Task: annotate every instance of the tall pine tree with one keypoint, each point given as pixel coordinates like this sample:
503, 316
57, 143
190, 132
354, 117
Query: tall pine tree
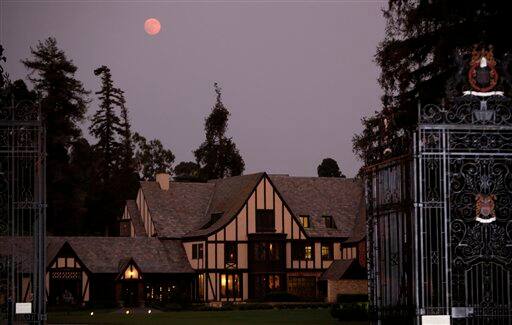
63, 102
106, 124
128, 178
218, 156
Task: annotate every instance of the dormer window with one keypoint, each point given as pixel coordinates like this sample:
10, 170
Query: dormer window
329, 222
304, 220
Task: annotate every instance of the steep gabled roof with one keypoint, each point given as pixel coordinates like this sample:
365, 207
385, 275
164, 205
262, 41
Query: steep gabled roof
107, 254
230, 194
104, 254
180, 209
341, 198
185, 210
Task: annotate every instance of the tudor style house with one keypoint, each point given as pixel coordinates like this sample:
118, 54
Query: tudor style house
249, 235
226, 240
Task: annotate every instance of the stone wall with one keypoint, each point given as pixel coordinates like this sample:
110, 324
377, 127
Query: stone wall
335, 287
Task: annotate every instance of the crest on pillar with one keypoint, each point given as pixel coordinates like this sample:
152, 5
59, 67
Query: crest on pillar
482, 74
485, 212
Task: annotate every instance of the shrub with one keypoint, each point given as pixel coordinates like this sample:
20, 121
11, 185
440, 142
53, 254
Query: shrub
253, 306
350, 311
281, 296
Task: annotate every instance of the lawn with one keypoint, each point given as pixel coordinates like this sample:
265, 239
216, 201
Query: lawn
275, 316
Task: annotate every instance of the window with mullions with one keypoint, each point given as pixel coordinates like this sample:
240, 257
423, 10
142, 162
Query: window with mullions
304, 220
267, 251
265, 221
230, 286
302, 251
230, 254
197, 251
302, 286
327, 251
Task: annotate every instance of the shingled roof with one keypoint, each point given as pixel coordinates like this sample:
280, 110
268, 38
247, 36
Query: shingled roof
179, 210
341, 198
186, 208
229, 196
105, 254
344, 269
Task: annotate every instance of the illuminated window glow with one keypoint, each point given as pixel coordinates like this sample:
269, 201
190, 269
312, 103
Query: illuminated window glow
131, 273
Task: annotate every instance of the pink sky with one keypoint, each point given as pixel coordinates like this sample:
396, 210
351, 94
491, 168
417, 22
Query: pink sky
296, 76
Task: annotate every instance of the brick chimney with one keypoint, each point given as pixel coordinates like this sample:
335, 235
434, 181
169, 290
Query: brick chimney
163, 180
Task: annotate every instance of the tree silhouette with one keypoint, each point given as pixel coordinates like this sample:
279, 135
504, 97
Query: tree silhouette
151, 157
63, 101
418, 57
186, 171
329, 168
218, 156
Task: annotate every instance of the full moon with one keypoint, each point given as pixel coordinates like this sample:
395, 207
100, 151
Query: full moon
152, 26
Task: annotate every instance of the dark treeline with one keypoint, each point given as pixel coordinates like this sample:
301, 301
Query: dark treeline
88, 183
419, 56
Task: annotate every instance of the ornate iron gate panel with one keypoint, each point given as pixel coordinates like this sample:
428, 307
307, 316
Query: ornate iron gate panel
463, 209
22, 212
389, 238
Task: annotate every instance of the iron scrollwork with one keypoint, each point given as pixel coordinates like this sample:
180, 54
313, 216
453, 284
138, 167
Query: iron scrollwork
470, 110
479, 247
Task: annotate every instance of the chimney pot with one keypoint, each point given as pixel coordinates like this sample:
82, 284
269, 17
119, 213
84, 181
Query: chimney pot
163, 180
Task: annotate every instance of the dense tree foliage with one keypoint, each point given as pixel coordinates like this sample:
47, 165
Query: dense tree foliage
186, 171
87, 185
218, 156
329, 168
151, 157
63, 101
419, 55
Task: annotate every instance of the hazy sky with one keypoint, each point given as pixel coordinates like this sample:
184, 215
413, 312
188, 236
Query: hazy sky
297, 76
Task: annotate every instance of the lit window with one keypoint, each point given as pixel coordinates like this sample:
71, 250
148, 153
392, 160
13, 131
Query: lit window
197, 251
302, 251
230, 286
308, 252
327, 251
131, 273
230, 254
305, 221
200, 287
273, 282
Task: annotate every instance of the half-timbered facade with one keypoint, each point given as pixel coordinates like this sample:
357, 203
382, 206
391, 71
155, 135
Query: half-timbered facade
226, 240
250, 235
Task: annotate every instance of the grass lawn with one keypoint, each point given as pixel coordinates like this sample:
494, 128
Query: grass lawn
275, 316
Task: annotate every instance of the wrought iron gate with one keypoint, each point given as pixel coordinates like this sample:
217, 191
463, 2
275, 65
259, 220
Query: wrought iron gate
22, 213
463, 209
